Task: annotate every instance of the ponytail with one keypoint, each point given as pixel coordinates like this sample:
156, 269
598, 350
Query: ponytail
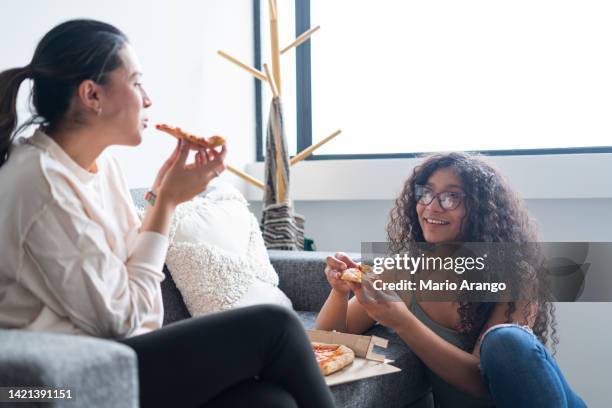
68, 54
10, 81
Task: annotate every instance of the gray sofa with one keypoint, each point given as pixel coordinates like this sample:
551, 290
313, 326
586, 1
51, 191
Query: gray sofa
103, 373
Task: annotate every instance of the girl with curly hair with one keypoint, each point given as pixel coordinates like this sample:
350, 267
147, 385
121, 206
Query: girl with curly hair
476, 353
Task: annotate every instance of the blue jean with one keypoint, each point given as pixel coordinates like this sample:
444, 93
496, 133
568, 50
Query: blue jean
520, 372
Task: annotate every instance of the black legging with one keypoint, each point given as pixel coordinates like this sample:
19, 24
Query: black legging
254, 356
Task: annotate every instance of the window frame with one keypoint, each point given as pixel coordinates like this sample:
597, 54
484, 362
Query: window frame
304, 104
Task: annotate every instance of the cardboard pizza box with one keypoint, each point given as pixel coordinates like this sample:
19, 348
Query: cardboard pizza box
367, 363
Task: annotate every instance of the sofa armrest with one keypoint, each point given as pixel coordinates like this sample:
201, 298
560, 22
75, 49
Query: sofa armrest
100, 373
302, 277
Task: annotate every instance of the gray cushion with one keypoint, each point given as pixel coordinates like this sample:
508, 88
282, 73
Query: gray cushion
138, 197
101, 373
302, 277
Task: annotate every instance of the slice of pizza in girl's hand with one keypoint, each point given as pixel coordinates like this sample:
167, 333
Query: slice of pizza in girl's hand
211, 142
356, 274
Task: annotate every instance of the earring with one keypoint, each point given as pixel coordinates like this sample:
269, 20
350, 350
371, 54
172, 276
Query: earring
99, 111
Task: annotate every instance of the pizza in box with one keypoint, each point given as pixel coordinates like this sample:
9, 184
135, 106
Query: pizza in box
332, 357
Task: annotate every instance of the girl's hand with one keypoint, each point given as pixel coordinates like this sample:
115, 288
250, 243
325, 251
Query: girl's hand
181, 182
335, 265
388, 310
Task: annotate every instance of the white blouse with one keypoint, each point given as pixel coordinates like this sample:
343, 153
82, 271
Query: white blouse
72, 257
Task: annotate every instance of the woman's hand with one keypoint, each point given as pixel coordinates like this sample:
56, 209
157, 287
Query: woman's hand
178, 182
333, 271
390, 313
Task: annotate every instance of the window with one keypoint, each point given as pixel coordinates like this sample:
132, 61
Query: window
522, 77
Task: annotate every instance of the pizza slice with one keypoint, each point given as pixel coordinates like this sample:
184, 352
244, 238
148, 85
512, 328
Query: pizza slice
352, 275
332, 357
211, 142
355, 274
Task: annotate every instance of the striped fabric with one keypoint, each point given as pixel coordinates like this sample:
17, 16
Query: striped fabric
275, 134
281, 227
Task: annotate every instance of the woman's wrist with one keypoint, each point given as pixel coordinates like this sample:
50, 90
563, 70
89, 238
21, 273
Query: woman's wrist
340, 295
164, 201
333, 313
158, 215
406, 325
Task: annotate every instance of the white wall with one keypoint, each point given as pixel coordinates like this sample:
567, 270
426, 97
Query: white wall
343, 225
534, 176
177, 43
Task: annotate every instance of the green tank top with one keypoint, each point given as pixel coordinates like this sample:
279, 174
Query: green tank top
445, 395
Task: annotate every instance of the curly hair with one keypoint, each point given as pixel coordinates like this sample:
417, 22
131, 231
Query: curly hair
494, 213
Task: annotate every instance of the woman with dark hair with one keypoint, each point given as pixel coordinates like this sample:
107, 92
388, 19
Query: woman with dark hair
77, 259
476, 353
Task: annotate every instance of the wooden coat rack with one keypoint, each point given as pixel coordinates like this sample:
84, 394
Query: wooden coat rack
273, 78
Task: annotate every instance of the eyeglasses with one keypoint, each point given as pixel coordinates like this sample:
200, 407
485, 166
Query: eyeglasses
448, 200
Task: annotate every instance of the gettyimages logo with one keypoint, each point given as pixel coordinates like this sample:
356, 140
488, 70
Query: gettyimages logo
412, 264
491, 272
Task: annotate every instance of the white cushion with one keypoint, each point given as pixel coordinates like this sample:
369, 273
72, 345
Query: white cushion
217, 256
